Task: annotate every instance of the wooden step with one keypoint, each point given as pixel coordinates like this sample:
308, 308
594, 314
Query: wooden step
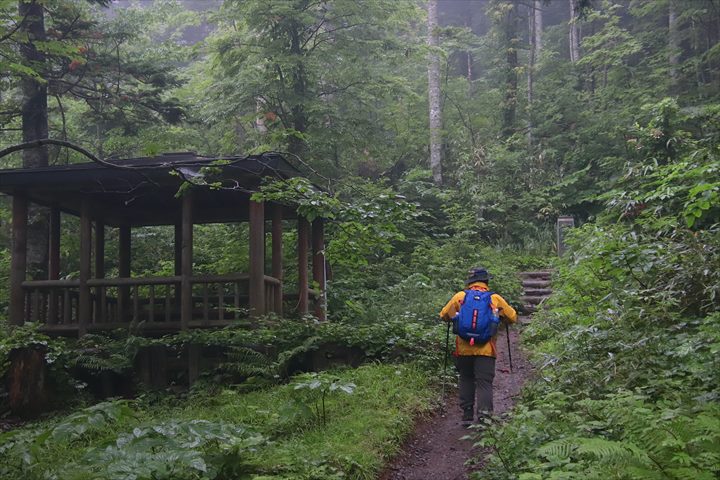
538, 274
528, 309
533, 300
538, 292
536, 283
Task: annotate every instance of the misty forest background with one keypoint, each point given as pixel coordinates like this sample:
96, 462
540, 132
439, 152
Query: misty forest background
447, 133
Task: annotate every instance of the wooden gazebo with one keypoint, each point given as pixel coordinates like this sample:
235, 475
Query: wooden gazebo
143, 192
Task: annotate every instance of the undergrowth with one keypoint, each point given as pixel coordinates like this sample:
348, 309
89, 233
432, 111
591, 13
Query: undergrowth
628, 348
221, 433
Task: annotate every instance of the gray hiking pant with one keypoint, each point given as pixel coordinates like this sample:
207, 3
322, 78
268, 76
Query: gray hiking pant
476, 374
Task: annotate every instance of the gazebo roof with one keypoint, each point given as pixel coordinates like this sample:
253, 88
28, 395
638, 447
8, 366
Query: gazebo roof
143, 191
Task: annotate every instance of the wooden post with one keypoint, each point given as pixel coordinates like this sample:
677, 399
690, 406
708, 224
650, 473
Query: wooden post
53, 263
178, 249
124, 250
84, 306
257, 259
99, 268
99, 249
186, 266
54, 245
18, 263
318, 247
277, 254
303, 237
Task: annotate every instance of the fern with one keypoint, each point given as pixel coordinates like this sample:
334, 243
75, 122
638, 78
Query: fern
246, 362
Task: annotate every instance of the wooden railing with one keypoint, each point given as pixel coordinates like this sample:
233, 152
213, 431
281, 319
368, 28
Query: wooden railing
151, 302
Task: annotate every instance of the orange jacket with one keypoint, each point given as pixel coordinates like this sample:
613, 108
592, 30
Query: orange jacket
463, 347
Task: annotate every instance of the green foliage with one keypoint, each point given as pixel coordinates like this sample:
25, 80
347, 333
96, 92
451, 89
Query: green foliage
173, 449
368, 218
223, 433
23, 451
316, 387
26, 336
628, 347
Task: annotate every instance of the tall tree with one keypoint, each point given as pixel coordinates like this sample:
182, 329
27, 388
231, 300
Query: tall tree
34, 113
510, 36
318, 71
673, 44
535, 21
574, 34
435, 108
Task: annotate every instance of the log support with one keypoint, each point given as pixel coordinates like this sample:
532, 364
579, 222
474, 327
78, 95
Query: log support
186, 302
257, 259
277, 257
303, 238
318, 247
18, 263
124, 249
84, 306
99, 268
53, 263
178, 249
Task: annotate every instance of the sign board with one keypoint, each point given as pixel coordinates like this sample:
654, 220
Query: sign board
563, 223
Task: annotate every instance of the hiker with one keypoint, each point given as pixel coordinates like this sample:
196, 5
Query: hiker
475, 360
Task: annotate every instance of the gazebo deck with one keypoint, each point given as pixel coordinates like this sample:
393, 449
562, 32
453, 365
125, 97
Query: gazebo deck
145, 304
142, 192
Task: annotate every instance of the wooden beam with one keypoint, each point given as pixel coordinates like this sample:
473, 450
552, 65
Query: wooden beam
318, 247
186, 267
277, 257
84, 306
303, 238
124, 269
257, 259
18, 263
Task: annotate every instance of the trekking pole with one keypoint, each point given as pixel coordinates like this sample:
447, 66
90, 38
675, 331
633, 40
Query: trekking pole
507, 334
444, 378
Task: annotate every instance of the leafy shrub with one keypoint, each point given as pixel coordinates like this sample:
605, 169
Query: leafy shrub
171, 450
317, 387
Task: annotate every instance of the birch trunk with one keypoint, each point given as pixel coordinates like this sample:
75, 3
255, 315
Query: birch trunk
673, 45
434, 93
574, 32
510, 28
535, 19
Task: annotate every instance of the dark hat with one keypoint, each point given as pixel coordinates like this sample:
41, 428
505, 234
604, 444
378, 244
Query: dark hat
478, 274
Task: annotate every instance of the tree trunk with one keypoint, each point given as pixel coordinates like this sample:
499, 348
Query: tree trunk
538, 27
296, 144
35, 127
27, 392
673, 45
574, 31
434, 94
510, 31
535, 26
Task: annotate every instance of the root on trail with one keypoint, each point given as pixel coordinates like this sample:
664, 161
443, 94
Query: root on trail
435, 450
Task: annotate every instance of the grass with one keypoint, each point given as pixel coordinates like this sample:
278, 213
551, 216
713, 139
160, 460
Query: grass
363, 429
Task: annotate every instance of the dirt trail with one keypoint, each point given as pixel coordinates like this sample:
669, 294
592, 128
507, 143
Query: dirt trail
435, 451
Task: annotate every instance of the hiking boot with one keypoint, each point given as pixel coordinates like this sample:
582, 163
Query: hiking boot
468, 416
484, 421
